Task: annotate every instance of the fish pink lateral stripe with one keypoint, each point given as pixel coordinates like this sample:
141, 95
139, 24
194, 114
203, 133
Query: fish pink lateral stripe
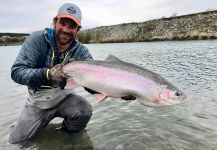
109, 73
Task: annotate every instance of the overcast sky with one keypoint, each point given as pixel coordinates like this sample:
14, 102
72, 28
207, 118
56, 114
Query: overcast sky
30, 15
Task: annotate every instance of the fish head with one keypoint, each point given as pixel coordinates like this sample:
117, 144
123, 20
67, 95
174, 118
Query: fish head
163, 96
169, 96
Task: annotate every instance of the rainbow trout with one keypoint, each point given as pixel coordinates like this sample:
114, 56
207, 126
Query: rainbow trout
115, 78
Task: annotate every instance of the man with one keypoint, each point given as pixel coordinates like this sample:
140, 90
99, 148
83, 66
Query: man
39, 66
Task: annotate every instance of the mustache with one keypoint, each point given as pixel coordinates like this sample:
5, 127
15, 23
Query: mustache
65, 33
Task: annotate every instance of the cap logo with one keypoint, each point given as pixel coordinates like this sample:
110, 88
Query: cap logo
71, 10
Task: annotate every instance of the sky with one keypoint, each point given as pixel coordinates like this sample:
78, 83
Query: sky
26, 16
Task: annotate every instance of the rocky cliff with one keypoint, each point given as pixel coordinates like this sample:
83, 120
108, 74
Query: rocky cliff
188, 27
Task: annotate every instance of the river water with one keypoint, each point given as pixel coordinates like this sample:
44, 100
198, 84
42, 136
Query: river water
121, 125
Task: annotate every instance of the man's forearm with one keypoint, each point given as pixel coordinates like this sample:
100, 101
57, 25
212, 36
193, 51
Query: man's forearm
28, 76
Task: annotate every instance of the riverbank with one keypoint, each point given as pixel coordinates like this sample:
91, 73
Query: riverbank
188, 27
7, 39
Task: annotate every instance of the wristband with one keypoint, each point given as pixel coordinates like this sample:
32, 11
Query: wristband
47, 74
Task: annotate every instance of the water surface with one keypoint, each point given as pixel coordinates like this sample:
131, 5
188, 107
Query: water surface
117, 124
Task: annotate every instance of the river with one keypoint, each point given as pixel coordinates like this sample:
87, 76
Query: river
123, 125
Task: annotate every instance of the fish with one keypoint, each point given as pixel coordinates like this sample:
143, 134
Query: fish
116, 78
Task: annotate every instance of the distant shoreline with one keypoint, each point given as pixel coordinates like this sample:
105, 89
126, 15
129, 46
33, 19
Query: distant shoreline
199, 26
12, 44
9, 39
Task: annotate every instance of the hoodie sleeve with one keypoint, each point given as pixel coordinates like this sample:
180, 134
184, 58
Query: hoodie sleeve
26, 70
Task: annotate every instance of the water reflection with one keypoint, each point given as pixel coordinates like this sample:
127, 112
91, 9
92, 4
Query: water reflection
53, 138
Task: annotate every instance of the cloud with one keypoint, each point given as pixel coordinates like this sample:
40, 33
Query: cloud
27, 16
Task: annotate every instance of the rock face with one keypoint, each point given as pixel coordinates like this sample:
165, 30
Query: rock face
188, 27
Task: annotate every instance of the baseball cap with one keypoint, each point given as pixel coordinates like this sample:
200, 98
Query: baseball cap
70, 11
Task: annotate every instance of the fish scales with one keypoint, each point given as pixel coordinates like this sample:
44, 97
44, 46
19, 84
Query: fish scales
116, 78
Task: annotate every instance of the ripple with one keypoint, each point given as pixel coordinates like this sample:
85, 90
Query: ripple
117, 124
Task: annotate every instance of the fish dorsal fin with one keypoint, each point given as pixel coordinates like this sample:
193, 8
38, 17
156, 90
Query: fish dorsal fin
112, 58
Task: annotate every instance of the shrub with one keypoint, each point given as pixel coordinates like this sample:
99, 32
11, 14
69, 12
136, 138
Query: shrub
84, 37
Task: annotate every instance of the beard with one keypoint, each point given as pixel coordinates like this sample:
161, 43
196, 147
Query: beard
64, 38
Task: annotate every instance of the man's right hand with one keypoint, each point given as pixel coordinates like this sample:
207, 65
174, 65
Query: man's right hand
56, 76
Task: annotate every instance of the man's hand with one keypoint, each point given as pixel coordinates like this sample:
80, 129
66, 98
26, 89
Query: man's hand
128, 98
56, 76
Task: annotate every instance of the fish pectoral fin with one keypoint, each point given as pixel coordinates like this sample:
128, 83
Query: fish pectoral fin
71, 84
99, 97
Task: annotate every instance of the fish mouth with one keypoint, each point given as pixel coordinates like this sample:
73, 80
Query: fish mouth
168, 102
180, 95
174, 101
183, 97
163, 103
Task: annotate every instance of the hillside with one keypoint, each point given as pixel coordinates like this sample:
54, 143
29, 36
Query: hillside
188, 27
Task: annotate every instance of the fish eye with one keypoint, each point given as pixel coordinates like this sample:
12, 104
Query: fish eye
178, 94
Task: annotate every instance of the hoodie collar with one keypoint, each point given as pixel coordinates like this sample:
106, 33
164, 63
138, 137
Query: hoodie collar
51, 36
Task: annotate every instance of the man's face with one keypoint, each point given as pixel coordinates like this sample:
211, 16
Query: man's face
66, 30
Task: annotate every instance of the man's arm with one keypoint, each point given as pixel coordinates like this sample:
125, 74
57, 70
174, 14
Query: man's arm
25, 69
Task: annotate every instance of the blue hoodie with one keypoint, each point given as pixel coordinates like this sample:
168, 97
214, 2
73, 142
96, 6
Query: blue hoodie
36, 57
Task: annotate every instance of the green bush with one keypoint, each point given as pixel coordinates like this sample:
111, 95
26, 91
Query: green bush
84, 37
